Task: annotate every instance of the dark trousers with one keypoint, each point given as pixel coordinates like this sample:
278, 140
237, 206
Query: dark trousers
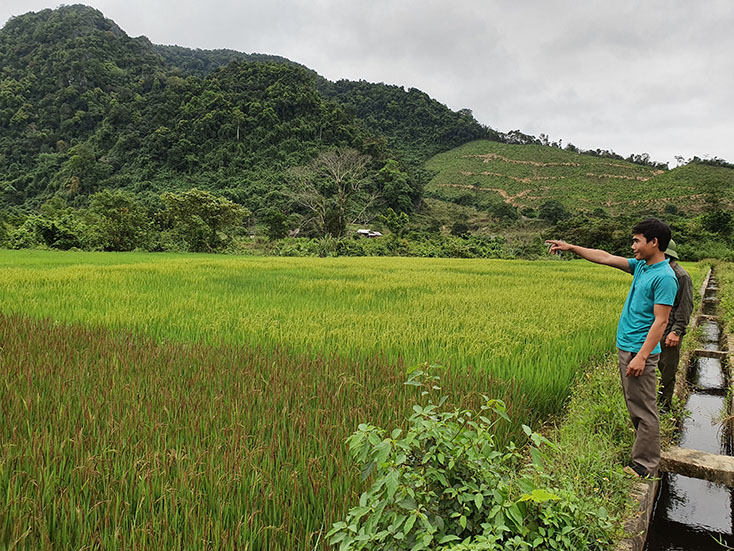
668, 366
640, 395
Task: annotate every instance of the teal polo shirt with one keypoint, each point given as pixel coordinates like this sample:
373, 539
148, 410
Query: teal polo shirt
651, 285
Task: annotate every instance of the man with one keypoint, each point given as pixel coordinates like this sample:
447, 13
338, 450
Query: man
641, 326
680, 315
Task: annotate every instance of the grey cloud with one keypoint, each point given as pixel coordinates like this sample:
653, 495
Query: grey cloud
631, 76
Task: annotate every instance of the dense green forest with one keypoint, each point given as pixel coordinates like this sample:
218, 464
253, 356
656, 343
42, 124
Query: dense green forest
201, 63
83, 107
111, 142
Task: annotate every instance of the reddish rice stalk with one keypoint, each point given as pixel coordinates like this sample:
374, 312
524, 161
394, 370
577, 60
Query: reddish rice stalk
113, 441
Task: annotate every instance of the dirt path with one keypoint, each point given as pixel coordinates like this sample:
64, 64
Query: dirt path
495, 157
510, 199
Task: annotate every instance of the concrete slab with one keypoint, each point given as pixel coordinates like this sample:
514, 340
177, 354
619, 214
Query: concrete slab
703, 353
636, 528
698, 464
703, 317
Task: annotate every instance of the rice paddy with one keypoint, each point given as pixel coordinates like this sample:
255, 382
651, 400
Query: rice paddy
202, 402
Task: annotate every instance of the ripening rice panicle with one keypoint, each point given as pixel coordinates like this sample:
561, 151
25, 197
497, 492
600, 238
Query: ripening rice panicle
171, 401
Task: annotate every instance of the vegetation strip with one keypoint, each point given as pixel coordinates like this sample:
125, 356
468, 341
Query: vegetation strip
725, 274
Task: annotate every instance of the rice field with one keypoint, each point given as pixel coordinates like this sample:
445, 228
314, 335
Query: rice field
202, 402
536, 322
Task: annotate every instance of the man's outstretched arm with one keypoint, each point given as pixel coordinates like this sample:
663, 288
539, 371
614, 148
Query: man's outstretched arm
592, 255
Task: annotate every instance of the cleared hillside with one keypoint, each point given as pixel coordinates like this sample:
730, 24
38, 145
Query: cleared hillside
528, 175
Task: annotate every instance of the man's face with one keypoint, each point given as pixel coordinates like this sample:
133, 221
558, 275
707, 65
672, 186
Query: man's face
642, 248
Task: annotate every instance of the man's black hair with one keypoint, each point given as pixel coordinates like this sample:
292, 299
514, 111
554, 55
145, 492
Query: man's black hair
653, 228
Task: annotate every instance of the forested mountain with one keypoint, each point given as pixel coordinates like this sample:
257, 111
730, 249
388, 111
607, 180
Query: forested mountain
84, 107
110, 142
418, 126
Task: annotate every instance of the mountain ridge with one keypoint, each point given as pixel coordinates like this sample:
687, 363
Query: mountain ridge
86, 107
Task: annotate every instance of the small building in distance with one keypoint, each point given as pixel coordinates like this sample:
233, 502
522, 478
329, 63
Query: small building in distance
368, 233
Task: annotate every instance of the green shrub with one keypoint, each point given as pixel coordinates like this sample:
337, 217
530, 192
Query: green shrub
118, 222
445, 483
709, 248
65, 231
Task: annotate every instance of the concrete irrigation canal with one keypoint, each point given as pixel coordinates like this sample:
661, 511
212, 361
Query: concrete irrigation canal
690, 508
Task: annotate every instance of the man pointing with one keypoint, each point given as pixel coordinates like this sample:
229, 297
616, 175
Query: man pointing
641, 326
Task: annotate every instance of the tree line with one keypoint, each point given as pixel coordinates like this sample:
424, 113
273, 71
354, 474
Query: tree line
100, 131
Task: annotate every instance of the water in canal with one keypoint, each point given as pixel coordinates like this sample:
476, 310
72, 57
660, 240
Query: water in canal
692, 514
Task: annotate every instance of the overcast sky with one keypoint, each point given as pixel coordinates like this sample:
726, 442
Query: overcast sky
631, 76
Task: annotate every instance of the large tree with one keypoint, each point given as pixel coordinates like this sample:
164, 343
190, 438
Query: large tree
333, 190
203, 221
119, 221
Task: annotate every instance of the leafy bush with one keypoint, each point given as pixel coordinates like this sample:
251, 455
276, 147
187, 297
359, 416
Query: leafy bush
64, 232
609, 234
709, 248
205, 222
718, 221
292, 246
553, 211
119, 221
276, 223
446, 484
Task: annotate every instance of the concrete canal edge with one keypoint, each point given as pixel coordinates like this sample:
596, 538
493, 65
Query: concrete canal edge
645, 492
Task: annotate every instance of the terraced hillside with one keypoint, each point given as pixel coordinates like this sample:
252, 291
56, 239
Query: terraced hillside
528, 175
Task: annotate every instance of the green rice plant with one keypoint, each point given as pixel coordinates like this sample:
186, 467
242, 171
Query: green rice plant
534, 322
181, 401
530, 322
